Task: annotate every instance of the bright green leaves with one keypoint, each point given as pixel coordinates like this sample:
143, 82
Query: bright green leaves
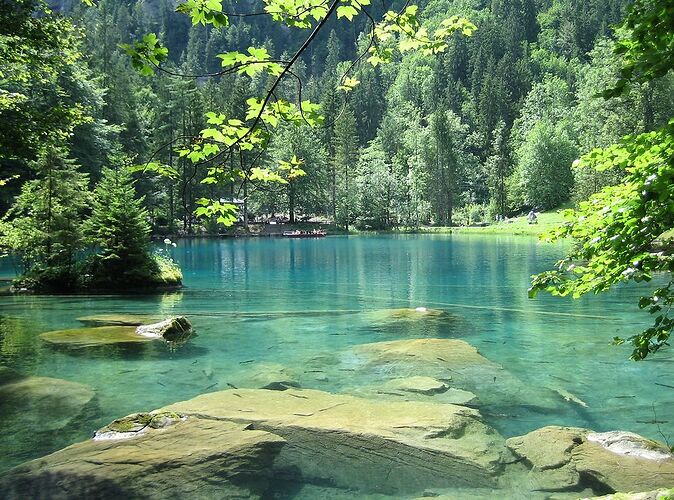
286, 171
284, 111
296, 13
410, 35
292, 169
224, 213
623, 233
258, 60
147, 54
204, 12
648, 50
346, 11
157, 168
351, 8
347, 84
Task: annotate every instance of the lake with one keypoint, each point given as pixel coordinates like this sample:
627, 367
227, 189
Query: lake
259, 303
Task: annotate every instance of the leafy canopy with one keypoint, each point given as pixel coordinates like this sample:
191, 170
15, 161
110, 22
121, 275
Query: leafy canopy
625, 232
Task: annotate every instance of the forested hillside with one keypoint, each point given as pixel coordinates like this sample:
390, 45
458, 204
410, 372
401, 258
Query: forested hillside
491, 126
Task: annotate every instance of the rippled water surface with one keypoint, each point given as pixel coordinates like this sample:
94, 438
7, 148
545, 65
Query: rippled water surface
259, 303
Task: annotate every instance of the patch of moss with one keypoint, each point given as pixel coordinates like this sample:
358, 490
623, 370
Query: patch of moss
168, 272
130, 423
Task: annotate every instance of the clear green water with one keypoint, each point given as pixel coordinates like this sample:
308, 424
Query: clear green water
301, 303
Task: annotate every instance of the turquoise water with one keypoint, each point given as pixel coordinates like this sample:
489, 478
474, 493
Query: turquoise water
258, 303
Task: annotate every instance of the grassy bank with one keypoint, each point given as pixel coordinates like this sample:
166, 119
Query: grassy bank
518, 226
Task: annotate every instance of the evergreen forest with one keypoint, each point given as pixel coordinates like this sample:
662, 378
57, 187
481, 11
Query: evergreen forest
488, 127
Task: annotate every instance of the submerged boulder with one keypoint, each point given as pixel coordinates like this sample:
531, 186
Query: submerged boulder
40, 414
186, 458
421, 385
566, 458
375, 446
171, 330
445, 360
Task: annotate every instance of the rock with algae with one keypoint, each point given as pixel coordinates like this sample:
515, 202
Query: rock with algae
172, 330
137, 423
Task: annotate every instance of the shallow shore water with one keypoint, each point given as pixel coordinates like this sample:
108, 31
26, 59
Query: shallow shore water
260, 306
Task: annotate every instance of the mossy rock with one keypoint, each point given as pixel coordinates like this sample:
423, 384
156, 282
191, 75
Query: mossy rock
92, 337
138, 422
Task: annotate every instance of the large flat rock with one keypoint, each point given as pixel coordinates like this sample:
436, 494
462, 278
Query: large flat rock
172, 329
194, 458
95, 336
374, 446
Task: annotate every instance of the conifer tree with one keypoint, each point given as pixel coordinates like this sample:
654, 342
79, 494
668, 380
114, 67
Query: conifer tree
43, 227
120, 231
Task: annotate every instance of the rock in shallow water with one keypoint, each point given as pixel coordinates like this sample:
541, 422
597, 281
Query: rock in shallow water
195, 458
172, 330
40, 413
374, 446
227, 437
91, 337
421, 385
566, 457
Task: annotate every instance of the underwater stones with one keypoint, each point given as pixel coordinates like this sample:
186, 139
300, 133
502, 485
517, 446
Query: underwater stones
565, 458
50, 403
445, 359
375, 446
422, 385
193, 458
272, 376
40, 414
430, 352
170, 329
118, 319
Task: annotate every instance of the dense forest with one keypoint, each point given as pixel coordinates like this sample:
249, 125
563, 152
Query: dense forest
489, 127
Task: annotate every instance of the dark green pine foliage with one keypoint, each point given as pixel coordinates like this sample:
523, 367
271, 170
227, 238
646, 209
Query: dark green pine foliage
120, 232
43, 228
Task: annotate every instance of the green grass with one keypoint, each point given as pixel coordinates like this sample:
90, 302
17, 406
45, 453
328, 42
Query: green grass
518, 226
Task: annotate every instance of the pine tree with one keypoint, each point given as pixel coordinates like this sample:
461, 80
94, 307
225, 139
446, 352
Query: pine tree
120, 231
43, 228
